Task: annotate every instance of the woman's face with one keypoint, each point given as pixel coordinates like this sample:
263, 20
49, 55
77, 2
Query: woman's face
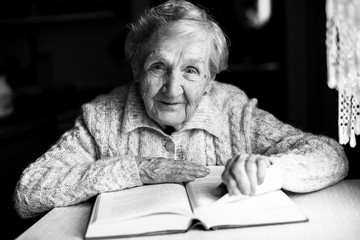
174, 78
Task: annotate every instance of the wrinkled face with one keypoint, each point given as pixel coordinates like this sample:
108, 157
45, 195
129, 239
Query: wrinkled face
174, 77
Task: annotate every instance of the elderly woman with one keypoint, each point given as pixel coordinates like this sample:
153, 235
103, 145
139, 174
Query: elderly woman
172, 121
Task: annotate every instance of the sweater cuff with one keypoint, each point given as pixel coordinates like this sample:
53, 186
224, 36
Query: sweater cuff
128, 173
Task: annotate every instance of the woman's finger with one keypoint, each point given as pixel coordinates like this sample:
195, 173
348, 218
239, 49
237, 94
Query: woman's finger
238, 173
187, 170
262, 164
228, 179
226, 174
232, 187
194, 169
192, 166
251, 171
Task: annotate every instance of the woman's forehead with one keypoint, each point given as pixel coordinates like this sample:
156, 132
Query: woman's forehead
189, 44
179, 49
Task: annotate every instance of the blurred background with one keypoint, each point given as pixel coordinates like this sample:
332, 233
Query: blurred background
56, 55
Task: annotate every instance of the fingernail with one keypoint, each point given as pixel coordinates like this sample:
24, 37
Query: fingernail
205, 170
246, 192
231, 192
252, 193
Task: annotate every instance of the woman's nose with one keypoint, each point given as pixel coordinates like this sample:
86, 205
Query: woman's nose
173, 85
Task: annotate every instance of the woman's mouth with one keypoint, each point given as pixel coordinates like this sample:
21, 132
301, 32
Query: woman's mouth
170, 106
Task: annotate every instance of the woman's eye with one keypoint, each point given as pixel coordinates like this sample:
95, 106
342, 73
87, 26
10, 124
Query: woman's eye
157, 67
191, 70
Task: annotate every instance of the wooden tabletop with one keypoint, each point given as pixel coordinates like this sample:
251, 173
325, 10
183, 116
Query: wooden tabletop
334, 213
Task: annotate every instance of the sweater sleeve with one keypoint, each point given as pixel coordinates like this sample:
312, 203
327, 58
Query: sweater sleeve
69, 173
309, 162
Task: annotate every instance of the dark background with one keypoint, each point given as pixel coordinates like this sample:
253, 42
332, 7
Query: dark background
59, 54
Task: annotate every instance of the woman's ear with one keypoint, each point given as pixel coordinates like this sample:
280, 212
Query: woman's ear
209, 85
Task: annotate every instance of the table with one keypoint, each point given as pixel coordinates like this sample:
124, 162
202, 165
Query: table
334, 213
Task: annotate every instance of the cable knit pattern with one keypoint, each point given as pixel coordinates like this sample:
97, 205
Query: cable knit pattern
246, 121
309, 162
209, 141
98, 154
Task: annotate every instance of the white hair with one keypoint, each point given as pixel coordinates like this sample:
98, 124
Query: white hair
164, 16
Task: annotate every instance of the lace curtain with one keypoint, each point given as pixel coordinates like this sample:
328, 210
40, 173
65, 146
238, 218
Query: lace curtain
343, 64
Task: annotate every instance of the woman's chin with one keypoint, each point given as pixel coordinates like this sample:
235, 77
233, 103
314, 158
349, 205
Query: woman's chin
169, 122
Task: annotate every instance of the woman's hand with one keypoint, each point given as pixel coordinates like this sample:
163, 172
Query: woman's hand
244, 173
161, 170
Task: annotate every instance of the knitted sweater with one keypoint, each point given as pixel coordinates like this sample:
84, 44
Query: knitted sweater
98, 154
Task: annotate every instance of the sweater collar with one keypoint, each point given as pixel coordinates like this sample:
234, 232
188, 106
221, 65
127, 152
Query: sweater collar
207, 116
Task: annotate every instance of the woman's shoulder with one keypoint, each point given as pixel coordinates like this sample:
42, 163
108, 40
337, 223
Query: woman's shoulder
228, 95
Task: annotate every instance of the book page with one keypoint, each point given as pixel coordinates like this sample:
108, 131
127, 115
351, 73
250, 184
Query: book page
143, 226
216, 209
205, 191
142, 201
269, 208
209, 190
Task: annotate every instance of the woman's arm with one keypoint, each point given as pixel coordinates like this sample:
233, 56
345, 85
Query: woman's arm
69, 173
309, 162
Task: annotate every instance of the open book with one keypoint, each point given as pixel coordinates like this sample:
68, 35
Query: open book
172, 207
